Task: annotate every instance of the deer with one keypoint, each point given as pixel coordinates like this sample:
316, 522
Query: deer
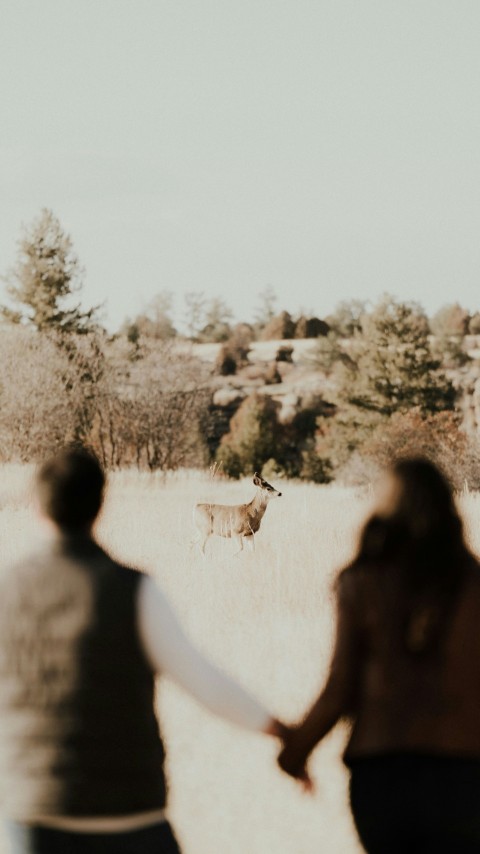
236, 521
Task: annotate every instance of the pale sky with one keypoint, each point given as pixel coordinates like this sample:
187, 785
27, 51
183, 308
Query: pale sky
328, 148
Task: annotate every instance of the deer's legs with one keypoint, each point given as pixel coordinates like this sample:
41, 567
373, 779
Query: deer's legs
240, 543
195, 541
250, 538
202, 542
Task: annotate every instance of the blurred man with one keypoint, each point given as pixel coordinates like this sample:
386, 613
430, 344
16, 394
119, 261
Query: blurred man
81, 641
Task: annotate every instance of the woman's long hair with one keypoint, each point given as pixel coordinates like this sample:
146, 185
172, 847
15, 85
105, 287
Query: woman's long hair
423, 538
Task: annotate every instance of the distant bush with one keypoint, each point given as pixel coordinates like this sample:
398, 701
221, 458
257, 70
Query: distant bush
234, 352
252, 439
278, 328
327, 351
151, 416
260, 437
225, 363
437, 437
310, 327
154, 322
347, 317
450, 320
38, 393
450, 351
474, 324
145, 413
388, 368
449, 326
284, 354
314, 467
271, 470
272, 374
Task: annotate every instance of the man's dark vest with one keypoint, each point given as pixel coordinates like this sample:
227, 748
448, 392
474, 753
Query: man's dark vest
78, 731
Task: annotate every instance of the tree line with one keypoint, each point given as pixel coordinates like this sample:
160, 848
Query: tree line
391, 379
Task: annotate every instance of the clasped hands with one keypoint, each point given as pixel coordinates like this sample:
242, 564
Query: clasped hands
290, 759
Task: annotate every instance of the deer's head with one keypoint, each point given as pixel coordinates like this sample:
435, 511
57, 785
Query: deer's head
268, 490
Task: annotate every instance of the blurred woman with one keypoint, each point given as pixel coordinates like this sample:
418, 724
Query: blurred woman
82, 638
406, 672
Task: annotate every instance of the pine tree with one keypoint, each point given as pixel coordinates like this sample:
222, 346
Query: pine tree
45, 280
387, 368
391, 366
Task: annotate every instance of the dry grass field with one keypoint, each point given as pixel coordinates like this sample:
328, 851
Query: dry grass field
265, 617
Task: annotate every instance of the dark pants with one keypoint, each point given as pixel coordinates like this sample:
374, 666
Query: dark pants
26, 839
408, 804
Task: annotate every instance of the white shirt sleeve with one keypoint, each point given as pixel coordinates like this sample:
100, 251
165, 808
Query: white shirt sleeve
170, 652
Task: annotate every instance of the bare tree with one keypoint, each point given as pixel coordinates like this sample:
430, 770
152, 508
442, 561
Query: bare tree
168, 397
148, 413
195, 305
36, 415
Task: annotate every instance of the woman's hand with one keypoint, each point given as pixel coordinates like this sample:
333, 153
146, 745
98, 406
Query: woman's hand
277, 729
293, 764
301, 776
306, 782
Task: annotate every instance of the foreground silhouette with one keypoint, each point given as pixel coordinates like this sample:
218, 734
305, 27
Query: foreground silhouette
406, 672
81, 641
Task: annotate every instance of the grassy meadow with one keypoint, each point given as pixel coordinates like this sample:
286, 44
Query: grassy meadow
265, 616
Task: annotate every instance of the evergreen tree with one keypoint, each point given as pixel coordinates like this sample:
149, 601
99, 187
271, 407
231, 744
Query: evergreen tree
391, 366
253, 438
388, 368
45, 280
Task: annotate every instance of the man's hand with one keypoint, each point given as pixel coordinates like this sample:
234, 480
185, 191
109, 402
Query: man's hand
277, 729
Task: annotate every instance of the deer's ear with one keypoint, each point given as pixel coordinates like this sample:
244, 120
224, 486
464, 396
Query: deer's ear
256, 479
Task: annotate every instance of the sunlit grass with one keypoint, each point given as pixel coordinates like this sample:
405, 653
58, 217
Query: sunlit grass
265, 616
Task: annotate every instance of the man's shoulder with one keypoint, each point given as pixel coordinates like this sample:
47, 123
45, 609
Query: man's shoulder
36, 556
123, 572
47, 555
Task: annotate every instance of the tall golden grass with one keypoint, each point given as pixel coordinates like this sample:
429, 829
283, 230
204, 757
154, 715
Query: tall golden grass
266, 617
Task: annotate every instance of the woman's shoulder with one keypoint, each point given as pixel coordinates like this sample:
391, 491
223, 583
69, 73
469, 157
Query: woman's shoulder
472, 570
351, 581
359, 586
356, 574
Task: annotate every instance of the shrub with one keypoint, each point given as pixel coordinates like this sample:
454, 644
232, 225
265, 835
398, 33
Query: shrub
437, 437
252, 439
388, 368
310, 327
280, 327
152, 415
314, 467
272, 375
284, 354
450, 320
347, 317
37, 396
271, 470
234, 352
450, 351
225, 363
474, 324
